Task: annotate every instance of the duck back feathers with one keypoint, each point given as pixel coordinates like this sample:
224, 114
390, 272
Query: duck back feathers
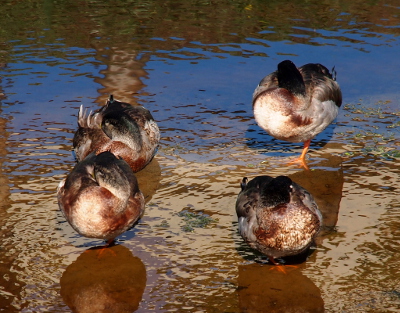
296, 104
290, 78
127, 131
277, 216
321, 83
100, 198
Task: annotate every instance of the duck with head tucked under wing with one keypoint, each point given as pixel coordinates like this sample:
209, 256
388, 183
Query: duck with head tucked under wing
100, 198
125, 130
276, 216
296, 104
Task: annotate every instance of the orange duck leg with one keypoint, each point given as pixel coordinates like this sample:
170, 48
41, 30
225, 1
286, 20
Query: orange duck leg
302, 158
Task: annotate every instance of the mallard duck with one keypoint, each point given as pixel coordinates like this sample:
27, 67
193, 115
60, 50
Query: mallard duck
100, 198
276, 216
127, 131
296, 104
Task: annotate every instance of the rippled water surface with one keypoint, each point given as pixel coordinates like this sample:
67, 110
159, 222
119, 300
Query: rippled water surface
195, 64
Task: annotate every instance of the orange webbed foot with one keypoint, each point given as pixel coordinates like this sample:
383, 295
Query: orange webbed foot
301, 161
280, 267
302, 158
102, 251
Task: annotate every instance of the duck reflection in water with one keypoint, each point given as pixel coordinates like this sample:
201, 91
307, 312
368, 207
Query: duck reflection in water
296, 104
113, 283
262, 290
325, 182
100, 198
277, 217
125, 130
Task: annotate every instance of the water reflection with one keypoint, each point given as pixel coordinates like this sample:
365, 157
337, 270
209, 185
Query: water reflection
149, 179
109, 280
325, 182
261, 289
124, 72
9, 282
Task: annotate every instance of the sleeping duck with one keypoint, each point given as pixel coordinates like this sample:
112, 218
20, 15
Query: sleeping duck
100, 198
276, 216
127, 131
296, 104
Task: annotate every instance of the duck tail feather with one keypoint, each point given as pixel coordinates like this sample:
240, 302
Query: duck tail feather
81, 117
334, 73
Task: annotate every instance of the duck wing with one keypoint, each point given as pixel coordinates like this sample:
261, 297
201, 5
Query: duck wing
303, 197
268, 82
320, 84
249, 198
247, 202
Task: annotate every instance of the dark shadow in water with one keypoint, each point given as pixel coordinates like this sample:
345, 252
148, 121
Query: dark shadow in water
259, 139
261, 289
104, 280
149, 179
325, 183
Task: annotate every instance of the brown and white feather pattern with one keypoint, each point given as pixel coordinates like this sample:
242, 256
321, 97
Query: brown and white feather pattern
100, 198
295, 117
127, 131
277, 230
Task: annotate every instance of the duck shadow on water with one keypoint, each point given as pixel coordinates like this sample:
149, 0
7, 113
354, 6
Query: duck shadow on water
325, 183
109, 280
262, 290
149, 179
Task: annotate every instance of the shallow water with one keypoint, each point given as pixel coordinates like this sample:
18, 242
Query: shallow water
195, 65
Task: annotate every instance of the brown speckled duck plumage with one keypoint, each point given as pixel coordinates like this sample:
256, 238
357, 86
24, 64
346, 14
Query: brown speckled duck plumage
125, 130
276, 216
296, 104
100, 198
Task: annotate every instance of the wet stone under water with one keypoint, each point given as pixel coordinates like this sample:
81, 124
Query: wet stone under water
195, 65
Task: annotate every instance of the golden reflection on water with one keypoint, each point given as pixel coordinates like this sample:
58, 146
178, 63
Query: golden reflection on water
10, 286
326, 184
262, 289
108, 280
203, 269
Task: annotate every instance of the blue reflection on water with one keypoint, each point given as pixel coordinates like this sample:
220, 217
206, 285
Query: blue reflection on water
200, 94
